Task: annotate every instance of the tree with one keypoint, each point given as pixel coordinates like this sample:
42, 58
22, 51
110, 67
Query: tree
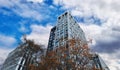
74, 57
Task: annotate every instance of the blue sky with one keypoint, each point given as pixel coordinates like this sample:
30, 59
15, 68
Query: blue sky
100, 20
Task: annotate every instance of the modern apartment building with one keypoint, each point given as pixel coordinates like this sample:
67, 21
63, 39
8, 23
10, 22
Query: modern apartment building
67, 29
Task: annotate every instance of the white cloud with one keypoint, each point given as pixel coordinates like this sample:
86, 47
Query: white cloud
112, 62
101, 8
102, 32
40, 34
91, 31
36, 1
6, 3
23, 26
3, 54
21, 9
23, 29
25, 11
6, 41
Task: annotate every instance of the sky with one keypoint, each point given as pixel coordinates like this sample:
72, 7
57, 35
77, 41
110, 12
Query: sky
99, 19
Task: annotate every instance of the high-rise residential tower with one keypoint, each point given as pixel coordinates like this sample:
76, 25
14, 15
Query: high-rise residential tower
67, 29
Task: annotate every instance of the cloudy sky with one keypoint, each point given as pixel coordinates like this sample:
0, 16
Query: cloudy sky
100, 20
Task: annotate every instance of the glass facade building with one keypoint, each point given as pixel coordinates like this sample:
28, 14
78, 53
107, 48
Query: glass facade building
99, 63
65, 29
21, 57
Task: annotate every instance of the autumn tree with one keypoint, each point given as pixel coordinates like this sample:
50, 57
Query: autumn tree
73, 56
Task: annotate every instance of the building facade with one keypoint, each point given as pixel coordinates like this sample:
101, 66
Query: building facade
67, 29
99, 63
21, 57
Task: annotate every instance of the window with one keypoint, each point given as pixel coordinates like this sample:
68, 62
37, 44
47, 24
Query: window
59, 17
66, 13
